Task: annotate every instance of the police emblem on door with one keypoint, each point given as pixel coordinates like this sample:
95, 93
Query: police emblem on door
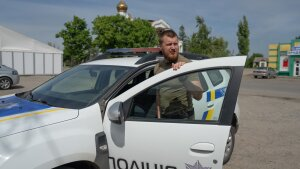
197, 165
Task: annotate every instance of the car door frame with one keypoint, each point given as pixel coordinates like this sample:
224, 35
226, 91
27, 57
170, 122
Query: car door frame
228, 104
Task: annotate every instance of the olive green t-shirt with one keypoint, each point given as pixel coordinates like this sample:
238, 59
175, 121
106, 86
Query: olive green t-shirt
173, 96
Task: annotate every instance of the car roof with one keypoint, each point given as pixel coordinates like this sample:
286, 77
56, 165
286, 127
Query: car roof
123, 57
126, 61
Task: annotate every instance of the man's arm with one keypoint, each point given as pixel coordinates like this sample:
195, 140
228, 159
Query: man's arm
157, 105
195, 88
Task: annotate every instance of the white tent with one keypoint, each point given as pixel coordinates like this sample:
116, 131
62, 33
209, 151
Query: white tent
28, 56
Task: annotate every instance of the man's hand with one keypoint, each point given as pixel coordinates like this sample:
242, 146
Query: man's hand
177, 65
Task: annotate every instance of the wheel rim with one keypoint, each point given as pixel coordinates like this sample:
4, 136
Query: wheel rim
4, 84
228, 145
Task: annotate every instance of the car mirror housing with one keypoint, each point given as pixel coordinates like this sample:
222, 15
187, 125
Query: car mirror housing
115, 113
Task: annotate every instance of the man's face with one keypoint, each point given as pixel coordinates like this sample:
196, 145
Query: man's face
170, 48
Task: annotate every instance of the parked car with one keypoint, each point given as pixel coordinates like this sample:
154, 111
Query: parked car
102, 114
8, 77
265, 72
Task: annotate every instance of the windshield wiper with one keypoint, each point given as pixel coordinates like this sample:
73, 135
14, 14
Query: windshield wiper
30, 97
42, 101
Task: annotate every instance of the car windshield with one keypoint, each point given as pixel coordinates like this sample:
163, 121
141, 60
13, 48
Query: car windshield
78, 87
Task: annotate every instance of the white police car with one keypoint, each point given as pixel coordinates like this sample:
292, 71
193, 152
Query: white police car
101, 114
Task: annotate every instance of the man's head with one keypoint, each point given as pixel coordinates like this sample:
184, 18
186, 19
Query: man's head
168, 41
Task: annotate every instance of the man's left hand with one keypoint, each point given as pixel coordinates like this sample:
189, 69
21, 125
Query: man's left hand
177, 65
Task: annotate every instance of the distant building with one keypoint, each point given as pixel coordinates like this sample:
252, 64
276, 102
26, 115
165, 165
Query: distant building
260, 62
28, 56
285, 57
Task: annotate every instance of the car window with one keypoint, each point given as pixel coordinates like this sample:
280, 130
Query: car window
203, 82
215, 77
78, 87
176, 100
140, 77
80, 81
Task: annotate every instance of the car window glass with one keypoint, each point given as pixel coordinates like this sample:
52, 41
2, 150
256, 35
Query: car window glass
215, 77
78, 87
141, 76
177, 100
80, 81
203, 82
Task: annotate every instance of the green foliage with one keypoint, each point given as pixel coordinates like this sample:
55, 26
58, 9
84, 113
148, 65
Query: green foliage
77, 41
202, 43
249, 62
297, 37
243, 37
120, 32
53, 45
219, 47
183, 37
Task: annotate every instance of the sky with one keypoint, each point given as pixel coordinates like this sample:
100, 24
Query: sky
270, 21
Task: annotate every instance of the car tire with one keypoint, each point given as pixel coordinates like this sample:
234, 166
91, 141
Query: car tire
5, 83
229, 145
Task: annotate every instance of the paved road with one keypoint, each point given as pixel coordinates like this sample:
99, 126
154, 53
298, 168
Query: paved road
269, 136
26, 83
281, 87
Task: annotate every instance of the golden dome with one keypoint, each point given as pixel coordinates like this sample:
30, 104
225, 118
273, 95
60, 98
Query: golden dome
122, 6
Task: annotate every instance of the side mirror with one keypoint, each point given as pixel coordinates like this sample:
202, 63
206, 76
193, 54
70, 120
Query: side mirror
115, 113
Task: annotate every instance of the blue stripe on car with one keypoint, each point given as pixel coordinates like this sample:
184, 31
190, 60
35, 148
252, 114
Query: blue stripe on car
204, 115
14, 105
218, 93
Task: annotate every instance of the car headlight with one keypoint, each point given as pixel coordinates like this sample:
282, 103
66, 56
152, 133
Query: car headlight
14, 72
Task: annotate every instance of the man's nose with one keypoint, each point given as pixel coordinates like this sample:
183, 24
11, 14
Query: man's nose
173, 46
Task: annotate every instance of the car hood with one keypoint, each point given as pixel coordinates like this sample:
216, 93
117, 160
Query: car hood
18, 115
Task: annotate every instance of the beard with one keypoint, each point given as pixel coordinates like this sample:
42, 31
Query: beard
171, 57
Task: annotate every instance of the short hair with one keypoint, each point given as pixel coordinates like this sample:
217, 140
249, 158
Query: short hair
166, 32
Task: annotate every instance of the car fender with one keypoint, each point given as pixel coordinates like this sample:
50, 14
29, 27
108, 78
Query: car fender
53, 145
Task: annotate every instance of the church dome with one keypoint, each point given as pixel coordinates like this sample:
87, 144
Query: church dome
122, 6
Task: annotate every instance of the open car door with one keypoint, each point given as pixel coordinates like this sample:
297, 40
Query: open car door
137, 139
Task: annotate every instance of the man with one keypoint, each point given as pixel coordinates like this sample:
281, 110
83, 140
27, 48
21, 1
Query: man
174, 99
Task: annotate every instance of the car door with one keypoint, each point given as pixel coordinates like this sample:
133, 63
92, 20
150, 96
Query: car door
138, 139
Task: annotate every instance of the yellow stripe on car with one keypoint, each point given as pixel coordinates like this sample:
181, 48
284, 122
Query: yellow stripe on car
210, 114
212, 95
31, 114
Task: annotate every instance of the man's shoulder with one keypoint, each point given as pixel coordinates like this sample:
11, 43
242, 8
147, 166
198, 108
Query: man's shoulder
181, 58
159, 67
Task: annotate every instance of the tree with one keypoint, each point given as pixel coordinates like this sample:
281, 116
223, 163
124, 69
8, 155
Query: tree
243, 37
52, 44
77, 41
219, 47
202, 43
249, 61
183, 37
120, 32
297, 37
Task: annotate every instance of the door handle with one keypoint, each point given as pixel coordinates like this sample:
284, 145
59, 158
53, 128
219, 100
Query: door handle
210, 105
203, 148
